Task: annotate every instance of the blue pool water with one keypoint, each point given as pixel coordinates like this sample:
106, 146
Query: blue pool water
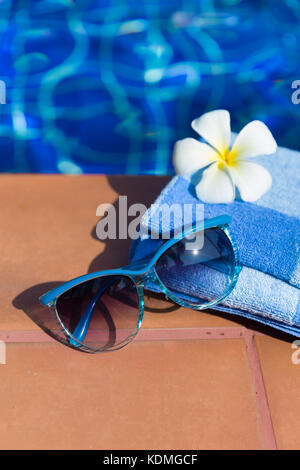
110, 85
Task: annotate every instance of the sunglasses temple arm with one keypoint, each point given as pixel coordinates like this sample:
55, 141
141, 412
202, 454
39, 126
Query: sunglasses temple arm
84, 322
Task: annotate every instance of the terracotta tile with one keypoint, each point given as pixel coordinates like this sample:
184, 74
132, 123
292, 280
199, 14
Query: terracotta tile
173, 395
48, 236
282, 382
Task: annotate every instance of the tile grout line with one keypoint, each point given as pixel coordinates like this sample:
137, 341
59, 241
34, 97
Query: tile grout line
260, 391
168, 334
145, 334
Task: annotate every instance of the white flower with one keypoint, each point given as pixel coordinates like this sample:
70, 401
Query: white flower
227, 166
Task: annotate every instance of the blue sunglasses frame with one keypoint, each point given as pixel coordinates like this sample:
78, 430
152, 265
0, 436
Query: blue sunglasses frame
140, 273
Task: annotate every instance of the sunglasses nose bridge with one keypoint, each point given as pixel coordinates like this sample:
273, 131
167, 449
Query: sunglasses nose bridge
149, 276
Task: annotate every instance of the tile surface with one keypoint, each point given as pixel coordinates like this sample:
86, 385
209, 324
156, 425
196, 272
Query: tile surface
282, 382
192, 379
48, 236
173, 395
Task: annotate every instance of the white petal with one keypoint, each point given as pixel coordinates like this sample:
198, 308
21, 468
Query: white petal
214, 127
252, 179
253, 140
215, 186
189, 155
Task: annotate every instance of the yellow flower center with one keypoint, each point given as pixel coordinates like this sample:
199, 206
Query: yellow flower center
227, 157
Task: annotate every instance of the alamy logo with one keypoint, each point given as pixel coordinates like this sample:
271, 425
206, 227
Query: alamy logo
295, 358
161, 221
296, 93
2, 352
2, 92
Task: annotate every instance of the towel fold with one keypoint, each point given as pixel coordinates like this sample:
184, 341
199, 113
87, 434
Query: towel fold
267, 237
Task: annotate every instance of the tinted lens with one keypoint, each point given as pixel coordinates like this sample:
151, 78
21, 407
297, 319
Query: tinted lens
100, 313
198, 271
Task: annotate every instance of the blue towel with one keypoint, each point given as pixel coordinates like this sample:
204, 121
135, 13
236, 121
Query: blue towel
267, 236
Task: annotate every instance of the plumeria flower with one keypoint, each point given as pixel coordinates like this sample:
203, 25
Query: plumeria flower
227, 166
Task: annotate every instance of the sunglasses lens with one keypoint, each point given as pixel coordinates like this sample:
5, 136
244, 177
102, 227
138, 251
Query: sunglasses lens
102, 313
198, 270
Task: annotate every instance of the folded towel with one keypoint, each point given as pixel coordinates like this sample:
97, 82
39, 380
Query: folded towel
266, 234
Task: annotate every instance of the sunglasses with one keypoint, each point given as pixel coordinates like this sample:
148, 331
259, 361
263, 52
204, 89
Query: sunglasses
103, 311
